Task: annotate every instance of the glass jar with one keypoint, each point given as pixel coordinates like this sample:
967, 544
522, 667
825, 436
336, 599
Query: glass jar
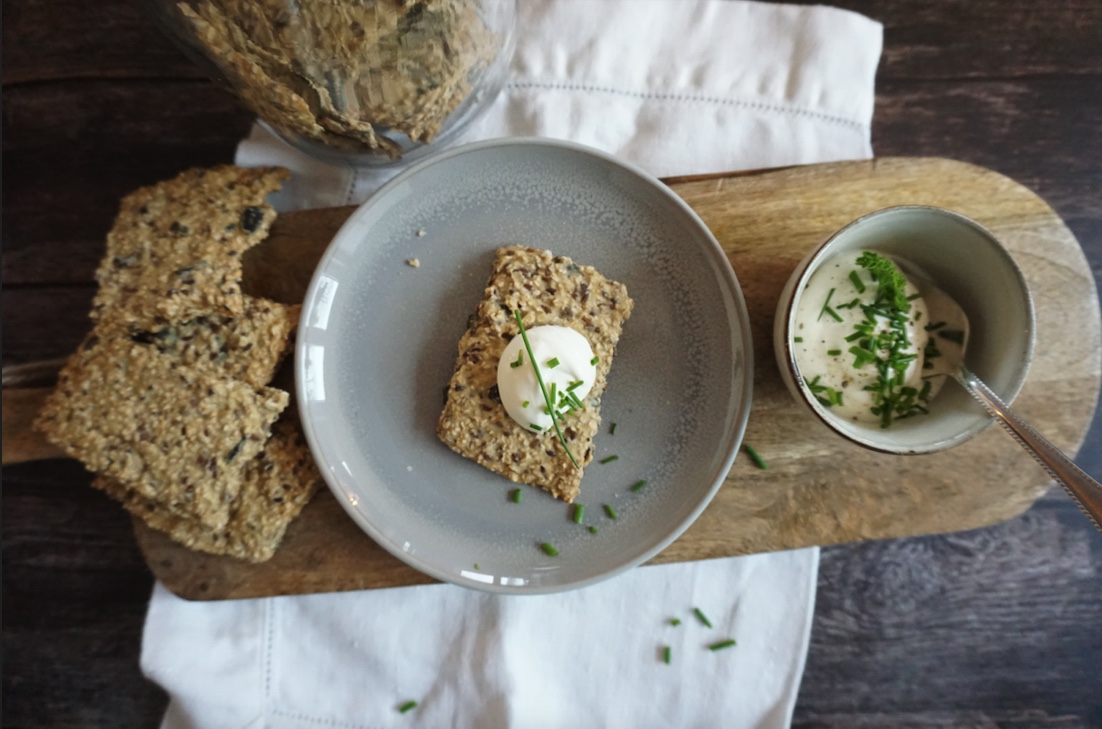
362, 82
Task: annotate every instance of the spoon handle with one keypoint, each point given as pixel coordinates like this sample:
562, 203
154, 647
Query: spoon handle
1084, 490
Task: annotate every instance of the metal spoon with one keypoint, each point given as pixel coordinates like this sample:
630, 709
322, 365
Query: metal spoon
1084, 490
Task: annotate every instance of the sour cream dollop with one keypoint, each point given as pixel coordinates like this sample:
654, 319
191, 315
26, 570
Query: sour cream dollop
564, 358
835, 341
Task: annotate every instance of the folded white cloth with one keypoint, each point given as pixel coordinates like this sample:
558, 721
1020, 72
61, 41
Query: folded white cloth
677, 87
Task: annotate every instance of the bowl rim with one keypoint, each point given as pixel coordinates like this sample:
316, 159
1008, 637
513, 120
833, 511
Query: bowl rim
811, 262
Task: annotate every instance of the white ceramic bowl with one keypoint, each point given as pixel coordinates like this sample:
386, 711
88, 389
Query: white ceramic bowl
967, 262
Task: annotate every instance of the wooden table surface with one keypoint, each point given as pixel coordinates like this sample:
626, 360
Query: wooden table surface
999, 626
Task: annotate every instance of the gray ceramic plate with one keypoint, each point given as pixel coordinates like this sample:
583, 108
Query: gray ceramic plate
378, 341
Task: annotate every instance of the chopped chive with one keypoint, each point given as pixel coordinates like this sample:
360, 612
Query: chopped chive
666, 655
407, 706
826, 305
610, 459
610, 511
721, 645
535, 427
515, 496
797, 339
857, 282
575, 401
579, 512
524, 404
519, 360
592, 530
595, 360
543, 388
549, 549
834, 352
612, 429
702, 617
574, 385
912, 297
477, 566
934, 325
638, 486
833, 314
553, 363
953, 335
757, 459
675, 622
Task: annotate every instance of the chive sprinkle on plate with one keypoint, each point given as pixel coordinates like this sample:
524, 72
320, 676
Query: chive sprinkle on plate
407, 706
757, 459
579, 512
666, 654
610, 511
721, 645
702, 617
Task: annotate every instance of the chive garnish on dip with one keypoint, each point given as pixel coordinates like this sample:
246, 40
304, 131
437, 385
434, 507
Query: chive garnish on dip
543, 388
552, 363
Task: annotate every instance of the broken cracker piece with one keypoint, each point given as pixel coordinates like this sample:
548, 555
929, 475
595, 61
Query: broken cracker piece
547, 289
248, 347
173, 434
277, 485
174, 251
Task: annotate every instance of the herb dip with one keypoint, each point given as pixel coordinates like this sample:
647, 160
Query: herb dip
861, 340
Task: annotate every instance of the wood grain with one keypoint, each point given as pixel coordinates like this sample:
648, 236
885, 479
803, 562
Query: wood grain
818, 489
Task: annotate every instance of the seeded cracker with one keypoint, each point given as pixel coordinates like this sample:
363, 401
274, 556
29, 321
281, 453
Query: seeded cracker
168, 432
248, 347
174, 252
546, 289
277, 485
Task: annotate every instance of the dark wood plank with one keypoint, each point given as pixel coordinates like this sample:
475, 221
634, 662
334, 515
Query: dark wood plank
899, 622
75, 592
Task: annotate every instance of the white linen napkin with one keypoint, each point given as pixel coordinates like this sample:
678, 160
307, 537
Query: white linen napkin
677, 87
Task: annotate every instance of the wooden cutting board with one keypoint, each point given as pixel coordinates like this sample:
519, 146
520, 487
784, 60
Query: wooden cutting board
818, 489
